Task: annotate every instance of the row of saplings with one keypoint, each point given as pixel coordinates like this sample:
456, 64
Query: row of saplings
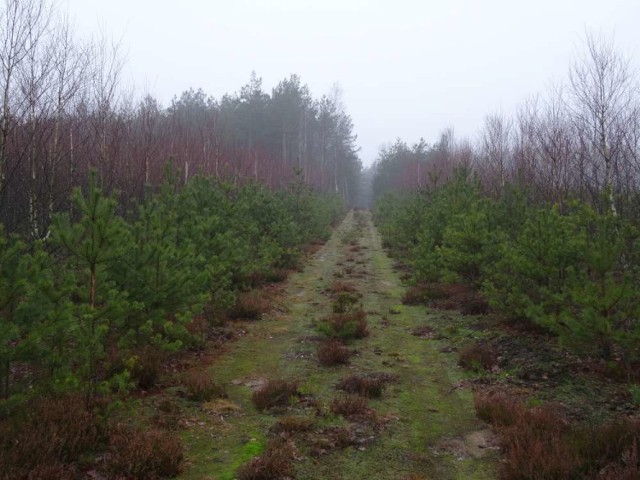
346, 323
103, 307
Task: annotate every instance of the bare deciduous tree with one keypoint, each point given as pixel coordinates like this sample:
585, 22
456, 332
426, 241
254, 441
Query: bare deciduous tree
496, 149
22, 23
601, 102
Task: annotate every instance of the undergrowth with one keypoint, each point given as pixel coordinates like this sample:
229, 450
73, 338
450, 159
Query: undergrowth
539, 443
57, 437
144, 454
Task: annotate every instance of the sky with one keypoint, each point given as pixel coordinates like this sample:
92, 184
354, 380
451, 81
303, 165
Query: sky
407, 69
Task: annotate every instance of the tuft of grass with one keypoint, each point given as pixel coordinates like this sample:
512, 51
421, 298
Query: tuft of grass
423, 331
274, 463
331, 438
167, 415
345, 302
333, 352
498, 409
275, 393
201, 386
220, 406
342, 287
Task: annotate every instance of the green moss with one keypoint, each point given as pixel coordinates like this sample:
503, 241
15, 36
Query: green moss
395, 309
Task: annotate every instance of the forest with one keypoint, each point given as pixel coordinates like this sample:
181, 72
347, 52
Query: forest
66, 110
542, 215
217, 288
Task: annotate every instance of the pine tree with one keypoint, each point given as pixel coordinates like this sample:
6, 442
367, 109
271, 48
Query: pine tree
162, 273
16, 267
92, 245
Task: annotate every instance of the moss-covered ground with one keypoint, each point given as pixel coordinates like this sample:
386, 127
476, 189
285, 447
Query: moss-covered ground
423, 426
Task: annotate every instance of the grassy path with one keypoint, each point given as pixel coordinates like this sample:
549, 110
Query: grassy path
423, 427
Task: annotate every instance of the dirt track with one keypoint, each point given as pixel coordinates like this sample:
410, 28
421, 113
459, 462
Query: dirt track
423, 426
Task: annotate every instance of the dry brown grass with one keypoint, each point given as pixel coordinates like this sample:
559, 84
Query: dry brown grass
292, 424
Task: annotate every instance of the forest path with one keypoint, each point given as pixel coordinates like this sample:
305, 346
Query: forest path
423, 428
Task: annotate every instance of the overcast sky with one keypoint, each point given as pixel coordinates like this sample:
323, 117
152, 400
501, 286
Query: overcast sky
407, 68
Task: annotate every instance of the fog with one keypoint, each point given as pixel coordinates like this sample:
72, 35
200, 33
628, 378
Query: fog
407, 69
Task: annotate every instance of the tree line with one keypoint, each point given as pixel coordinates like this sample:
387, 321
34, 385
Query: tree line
577, 140
66, 111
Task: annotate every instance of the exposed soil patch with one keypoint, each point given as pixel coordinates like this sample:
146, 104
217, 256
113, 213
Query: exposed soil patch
425, 332
476, 444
